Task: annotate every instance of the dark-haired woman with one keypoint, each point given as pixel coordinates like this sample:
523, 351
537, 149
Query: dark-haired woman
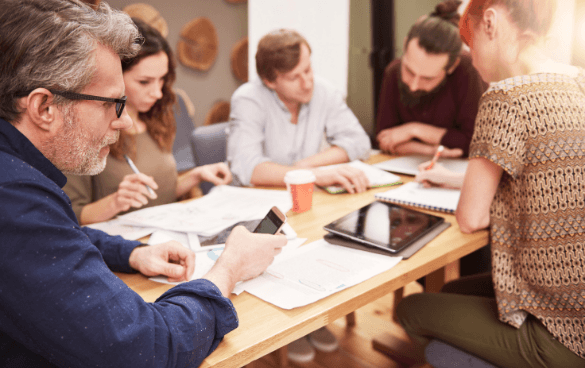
148, 78
526, 182
429, 96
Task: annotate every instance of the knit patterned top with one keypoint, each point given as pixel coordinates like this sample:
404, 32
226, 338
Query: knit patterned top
533, 126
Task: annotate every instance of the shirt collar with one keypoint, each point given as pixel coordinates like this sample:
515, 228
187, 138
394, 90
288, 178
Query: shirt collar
278, 100
13, 142
282, 105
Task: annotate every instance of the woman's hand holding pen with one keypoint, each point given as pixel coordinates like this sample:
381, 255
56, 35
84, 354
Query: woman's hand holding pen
438, 175
132, 192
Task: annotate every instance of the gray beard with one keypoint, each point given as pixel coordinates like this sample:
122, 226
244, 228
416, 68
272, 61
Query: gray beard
73, 152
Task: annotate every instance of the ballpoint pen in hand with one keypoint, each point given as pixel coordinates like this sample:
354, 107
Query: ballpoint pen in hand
135, 169
435, 158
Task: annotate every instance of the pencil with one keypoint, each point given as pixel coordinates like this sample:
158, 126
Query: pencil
435, 157
135, 169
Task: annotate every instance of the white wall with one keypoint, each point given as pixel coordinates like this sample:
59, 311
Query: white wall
324, 23
560, 44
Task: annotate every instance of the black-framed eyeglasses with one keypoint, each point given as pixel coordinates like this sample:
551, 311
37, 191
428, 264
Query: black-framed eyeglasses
120, 102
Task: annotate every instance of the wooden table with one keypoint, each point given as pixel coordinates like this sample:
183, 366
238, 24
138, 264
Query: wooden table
265, 328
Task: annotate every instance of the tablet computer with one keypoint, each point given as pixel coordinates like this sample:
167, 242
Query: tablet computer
386, 226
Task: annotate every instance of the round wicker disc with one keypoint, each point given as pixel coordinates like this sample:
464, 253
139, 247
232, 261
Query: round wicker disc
239, 59
93, 3
150, 15
219, 113
197, 47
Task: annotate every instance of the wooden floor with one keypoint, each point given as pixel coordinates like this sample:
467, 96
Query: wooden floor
355, 344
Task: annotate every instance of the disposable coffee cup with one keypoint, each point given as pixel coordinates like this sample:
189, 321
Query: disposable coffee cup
299, 184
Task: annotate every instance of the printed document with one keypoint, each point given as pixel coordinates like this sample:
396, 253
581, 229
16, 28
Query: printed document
224, 206
303, 275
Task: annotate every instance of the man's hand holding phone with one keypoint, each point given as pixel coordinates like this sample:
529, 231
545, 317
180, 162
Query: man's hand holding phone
247, 255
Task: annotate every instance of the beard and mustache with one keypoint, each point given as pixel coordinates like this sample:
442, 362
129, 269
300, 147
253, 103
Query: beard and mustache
74, 150
418, 97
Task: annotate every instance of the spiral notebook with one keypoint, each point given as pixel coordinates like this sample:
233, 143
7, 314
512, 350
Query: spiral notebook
414, 194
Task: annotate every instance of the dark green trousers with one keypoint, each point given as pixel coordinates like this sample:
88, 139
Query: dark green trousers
464, 315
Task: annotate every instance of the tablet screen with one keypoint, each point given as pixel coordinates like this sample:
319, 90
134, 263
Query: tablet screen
384, 225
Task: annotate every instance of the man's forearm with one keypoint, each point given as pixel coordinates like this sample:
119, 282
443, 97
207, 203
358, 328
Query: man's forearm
413, 147
427, 133
269, 174
272, 174
331, 156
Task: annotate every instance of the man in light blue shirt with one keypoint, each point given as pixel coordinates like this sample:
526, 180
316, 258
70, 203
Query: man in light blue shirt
279, 121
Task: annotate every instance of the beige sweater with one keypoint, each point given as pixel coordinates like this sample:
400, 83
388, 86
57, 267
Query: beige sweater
150, 160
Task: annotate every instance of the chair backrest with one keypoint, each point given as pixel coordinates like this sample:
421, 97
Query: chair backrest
182, 147
442, 355
209, 143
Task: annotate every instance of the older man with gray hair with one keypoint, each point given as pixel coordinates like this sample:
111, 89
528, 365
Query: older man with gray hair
61, 105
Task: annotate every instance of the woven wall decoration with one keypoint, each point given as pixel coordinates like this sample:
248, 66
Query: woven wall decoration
219, 113
198, 44
94, 3
150, 15
239, 60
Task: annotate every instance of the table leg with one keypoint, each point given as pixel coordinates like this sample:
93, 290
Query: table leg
452, 271
398, 295
435, 280
350, 319
282, 355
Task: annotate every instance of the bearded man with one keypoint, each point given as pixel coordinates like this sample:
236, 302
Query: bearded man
429, 97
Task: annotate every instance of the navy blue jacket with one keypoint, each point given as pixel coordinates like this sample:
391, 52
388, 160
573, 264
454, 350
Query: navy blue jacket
60, 301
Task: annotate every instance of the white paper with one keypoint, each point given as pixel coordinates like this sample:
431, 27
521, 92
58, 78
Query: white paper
376, 176
316, 271
409, 164
116, 227
189, 241
288, 231
224, 206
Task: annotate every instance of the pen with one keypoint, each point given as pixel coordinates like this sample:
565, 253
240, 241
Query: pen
135, 169
436, 157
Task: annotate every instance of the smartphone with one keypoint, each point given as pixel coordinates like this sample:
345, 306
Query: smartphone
272, 222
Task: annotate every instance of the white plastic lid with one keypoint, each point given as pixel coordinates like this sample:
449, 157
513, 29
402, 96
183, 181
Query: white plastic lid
299, 177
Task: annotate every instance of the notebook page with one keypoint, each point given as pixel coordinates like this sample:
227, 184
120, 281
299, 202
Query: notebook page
409, 164
414, 194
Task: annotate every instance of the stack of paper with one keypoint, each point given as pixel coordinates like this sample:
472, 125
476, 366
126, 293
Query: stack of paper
224, 206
